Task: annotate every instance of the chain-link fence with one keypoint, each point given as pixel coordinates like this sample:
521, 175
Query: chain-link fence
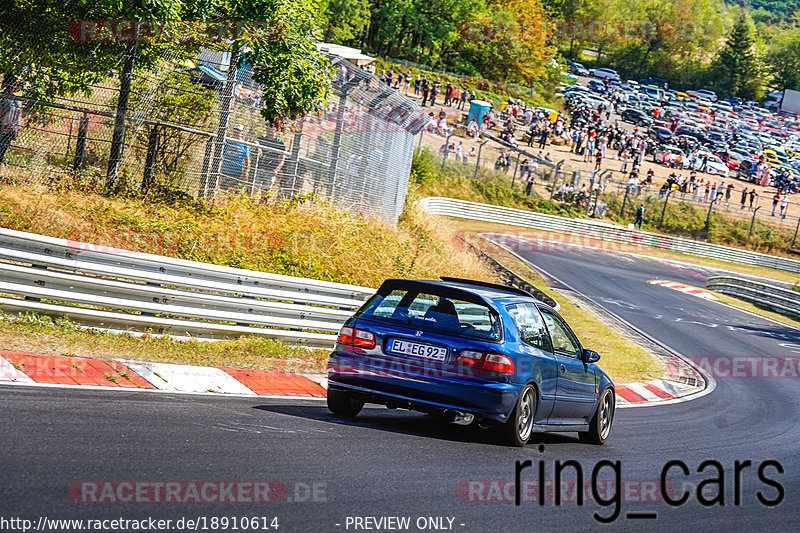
356, 154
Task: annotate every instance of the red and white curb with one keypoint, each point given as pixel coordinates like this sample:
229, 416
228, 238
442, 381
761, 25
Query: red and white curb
84, 372
30, 369
688, 289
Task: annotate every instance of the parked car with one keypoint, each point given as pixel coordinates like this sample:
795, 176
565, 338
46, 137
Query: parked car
713, 166
660, 134
470, 351
577, 68
603, 73
635, 116
596, 86
658, 82
707, 94
746, 170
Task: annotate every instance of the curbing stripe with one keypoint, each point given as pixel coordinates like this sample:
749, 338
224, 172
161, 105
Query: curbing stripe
663, 395
62, 370
8, 372
185, 378
263, 382
627, 394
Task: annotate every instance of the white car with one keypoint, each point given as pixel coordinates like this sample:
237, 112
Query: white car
603, 73
714, 166
705, 93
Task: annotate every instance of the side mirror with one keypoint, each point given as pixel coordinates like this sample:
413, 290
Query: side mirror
590, 356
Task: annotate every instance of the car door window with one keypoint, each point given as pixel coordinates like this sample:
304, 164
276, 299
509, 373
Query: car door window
564, 341
530, 325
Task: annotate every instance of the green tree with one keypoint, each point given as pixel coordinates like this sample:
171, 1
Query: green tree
344, 20
783, 57
738, 64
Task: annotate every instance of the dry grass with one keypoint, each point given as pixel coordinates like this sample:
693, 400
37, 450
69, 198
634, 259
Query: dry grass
300, 238
41, 335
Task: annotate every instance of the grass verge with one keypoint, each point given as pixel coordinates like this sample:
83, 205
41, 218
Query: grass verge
33, 333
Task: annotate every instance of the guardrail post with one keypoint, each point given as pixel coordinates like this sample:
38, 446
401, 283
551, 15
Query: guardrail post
753, 223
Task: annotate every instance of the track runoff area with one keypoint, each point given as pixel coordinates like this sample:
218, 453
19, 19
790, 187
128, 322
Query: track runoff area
81, 458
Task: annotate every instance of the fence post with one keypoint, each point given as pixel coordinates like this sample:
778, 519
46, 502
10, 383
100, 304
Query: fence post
795, 232
80, 144
446, 150
664, 210
149, 163
226, 101
555, 178
708, 216
203, 190
516, 166
118, 137
753, 222
478, 159
624, 201
69, 142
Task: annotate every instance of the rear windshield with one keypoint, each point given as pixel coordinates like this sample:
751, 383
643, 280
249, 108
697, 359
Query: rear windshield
435, 309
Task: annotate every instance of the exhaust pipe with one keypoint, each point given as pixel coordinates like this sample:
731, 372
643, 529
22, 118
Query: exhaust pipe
459, 418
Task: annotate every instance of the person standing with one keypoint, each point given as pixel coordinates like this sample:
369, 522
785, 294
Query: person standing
639, 216
784, 203
10, 112
775, 200
543, 137
270, 161
235, 161
426, 87
753, 195
434, 92
744, 196
465, 96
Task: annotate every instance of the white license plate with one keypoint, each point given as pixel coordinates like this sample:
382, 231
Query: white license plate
427, 351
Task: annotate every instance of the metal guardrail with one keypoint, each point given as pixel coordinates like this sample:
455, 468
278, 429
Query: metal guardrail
782, 300
118, 289
602, 231
121, 290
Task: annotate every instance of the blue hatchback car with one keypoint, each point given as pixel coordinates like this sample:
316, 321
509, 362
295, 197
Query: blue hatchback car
472, 352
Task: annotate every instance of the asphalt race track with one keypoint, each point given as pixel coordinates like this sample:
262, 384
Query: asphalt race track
394, 463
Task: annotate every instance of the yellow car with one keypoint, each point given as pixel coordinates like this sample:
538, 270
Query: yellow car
681, 96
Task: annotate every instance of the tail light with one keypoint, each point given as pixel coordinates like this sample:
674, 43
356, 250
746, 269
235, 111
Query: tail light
488, 362
357, 337
470, 358
498, 363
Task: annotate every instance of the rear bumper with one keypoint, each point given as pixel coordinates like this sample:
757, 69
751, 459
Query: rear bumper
422, 389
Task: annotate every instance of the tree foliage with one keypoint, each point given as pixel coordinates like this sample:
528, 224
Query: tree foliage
738, 65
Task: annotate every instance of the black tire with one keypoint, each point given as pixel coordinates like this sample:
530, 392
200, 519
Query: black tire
343, 404
600, 426
518, 429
